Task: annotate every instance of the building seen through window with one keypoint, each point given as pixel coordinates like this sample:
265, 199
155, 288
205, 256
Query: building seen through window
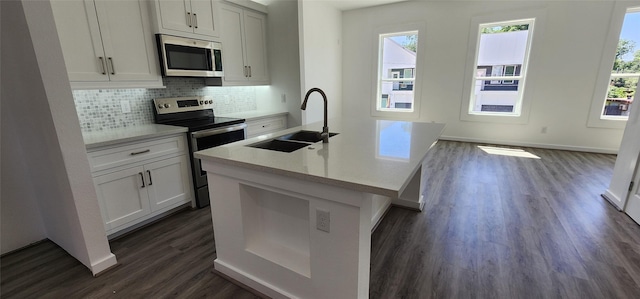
501, 58
397, 71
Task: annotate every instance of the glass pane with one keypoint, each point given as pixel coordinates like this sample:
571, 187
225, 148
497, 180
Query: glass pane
399, 55
501, 52
627, 58
188, 58
398, 62
495, 98
502, 48
620, 96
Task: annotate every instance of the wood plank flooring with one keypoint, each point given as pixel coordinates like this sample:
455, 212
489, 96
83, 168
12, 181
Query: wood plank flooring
493, 227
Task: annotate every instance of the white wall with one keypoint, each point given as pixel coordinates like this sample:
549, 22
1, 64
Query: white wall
49, 168
321, 57
284, 61
564, 67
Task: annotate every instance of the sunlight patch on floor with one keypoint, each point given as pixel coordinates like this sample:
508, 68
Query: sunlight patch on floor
512, 152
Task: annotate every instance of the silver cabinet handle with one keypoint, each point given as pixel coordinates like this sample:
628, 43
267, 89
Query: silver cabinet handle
113, 70
189, 19
102, 65
140, 152
246, 71
195, 20
149, 174
249, 71
142, 178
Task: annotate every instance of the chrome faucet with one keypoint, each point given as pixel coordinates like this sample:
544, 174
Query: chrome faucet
325, 130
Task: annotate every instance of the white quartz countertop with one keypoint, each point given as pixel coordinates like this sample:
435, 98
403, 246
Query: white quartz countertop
116, 136
374, 156
254, 114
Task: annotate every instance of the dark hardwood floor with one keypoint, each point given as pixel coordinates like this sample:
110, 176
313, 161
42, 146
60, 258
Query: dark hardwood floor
493, 227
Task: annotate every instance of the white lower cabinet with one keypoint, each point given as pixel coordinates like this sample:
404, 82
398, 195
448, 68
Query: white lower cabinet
168, 182
144, 188
122, 196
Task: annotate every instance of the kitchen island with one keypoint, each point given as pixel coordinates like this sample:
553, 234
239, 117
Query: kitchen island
298, 224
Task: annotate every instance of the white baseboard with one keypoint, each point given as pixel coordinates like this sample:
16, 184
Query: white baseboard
530, 144
613, 199
250, 280
413, 205
103, 264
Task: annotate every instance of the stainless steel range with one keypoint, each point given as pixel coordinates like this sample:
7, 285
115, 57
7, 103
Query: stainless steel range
205, 131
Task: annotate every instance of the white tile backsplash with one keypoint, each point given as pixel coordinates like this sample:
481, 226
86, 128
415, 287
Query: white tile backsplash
100, 109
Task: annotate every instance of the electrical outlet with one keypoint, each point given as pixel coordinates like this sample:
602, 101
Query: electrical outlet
126, 108
323, 220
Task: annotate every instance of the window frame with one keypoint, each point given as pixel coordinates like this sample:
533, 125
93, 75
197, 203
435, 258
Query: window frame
397, 29
601, 88
523, 108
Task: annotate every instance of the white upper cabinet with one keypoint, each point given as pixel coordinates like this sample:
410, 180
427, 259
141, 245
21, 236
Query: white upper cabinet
244, 42
107, 44
188, 18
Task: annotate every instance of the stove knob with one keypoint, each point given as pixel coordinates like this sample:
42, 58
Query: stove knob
160, 106
201, 102
210, 102
167, 105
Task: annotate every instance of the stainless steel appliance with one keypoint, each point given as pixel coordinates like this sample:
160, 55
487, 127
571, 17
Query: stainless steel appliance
205, 131
187, 57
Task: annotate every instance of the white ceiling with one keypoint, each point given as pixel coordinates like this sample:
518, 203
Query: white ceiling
342, 4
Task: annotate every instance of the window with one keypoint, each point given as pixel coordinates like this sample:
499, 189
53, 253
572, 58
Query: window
626, 69
501, 57
397, 59
619, 70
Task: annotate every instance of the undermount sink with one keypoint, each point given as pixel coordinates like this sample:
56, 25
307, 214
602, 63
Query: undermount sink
290, 142
279, 145
305, 136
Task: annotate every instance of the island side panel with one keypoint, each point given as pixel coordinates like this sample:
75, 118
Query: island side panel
257, 218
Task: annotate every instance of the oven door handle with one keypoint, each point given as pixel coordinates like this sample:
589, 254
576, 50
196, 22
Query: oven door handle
217, 131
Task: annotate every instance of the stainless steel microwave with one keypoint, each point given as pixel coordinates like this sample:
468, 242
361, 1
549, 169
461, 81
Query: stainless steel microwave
187, 57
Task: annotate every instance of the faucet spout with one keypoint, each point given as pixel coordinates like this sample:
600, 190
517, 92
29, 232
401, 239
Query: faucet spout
325, 129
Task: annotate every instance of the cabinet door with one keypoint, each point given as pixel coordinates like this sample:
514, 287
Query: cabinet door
122, 196
232, 51
205, 19
127, 39
79, 33
173, 15
255, 28
168, 182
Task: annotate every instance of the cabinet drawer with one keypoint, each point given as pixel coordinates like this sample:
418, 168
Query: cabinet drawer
128, 153
264, 126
